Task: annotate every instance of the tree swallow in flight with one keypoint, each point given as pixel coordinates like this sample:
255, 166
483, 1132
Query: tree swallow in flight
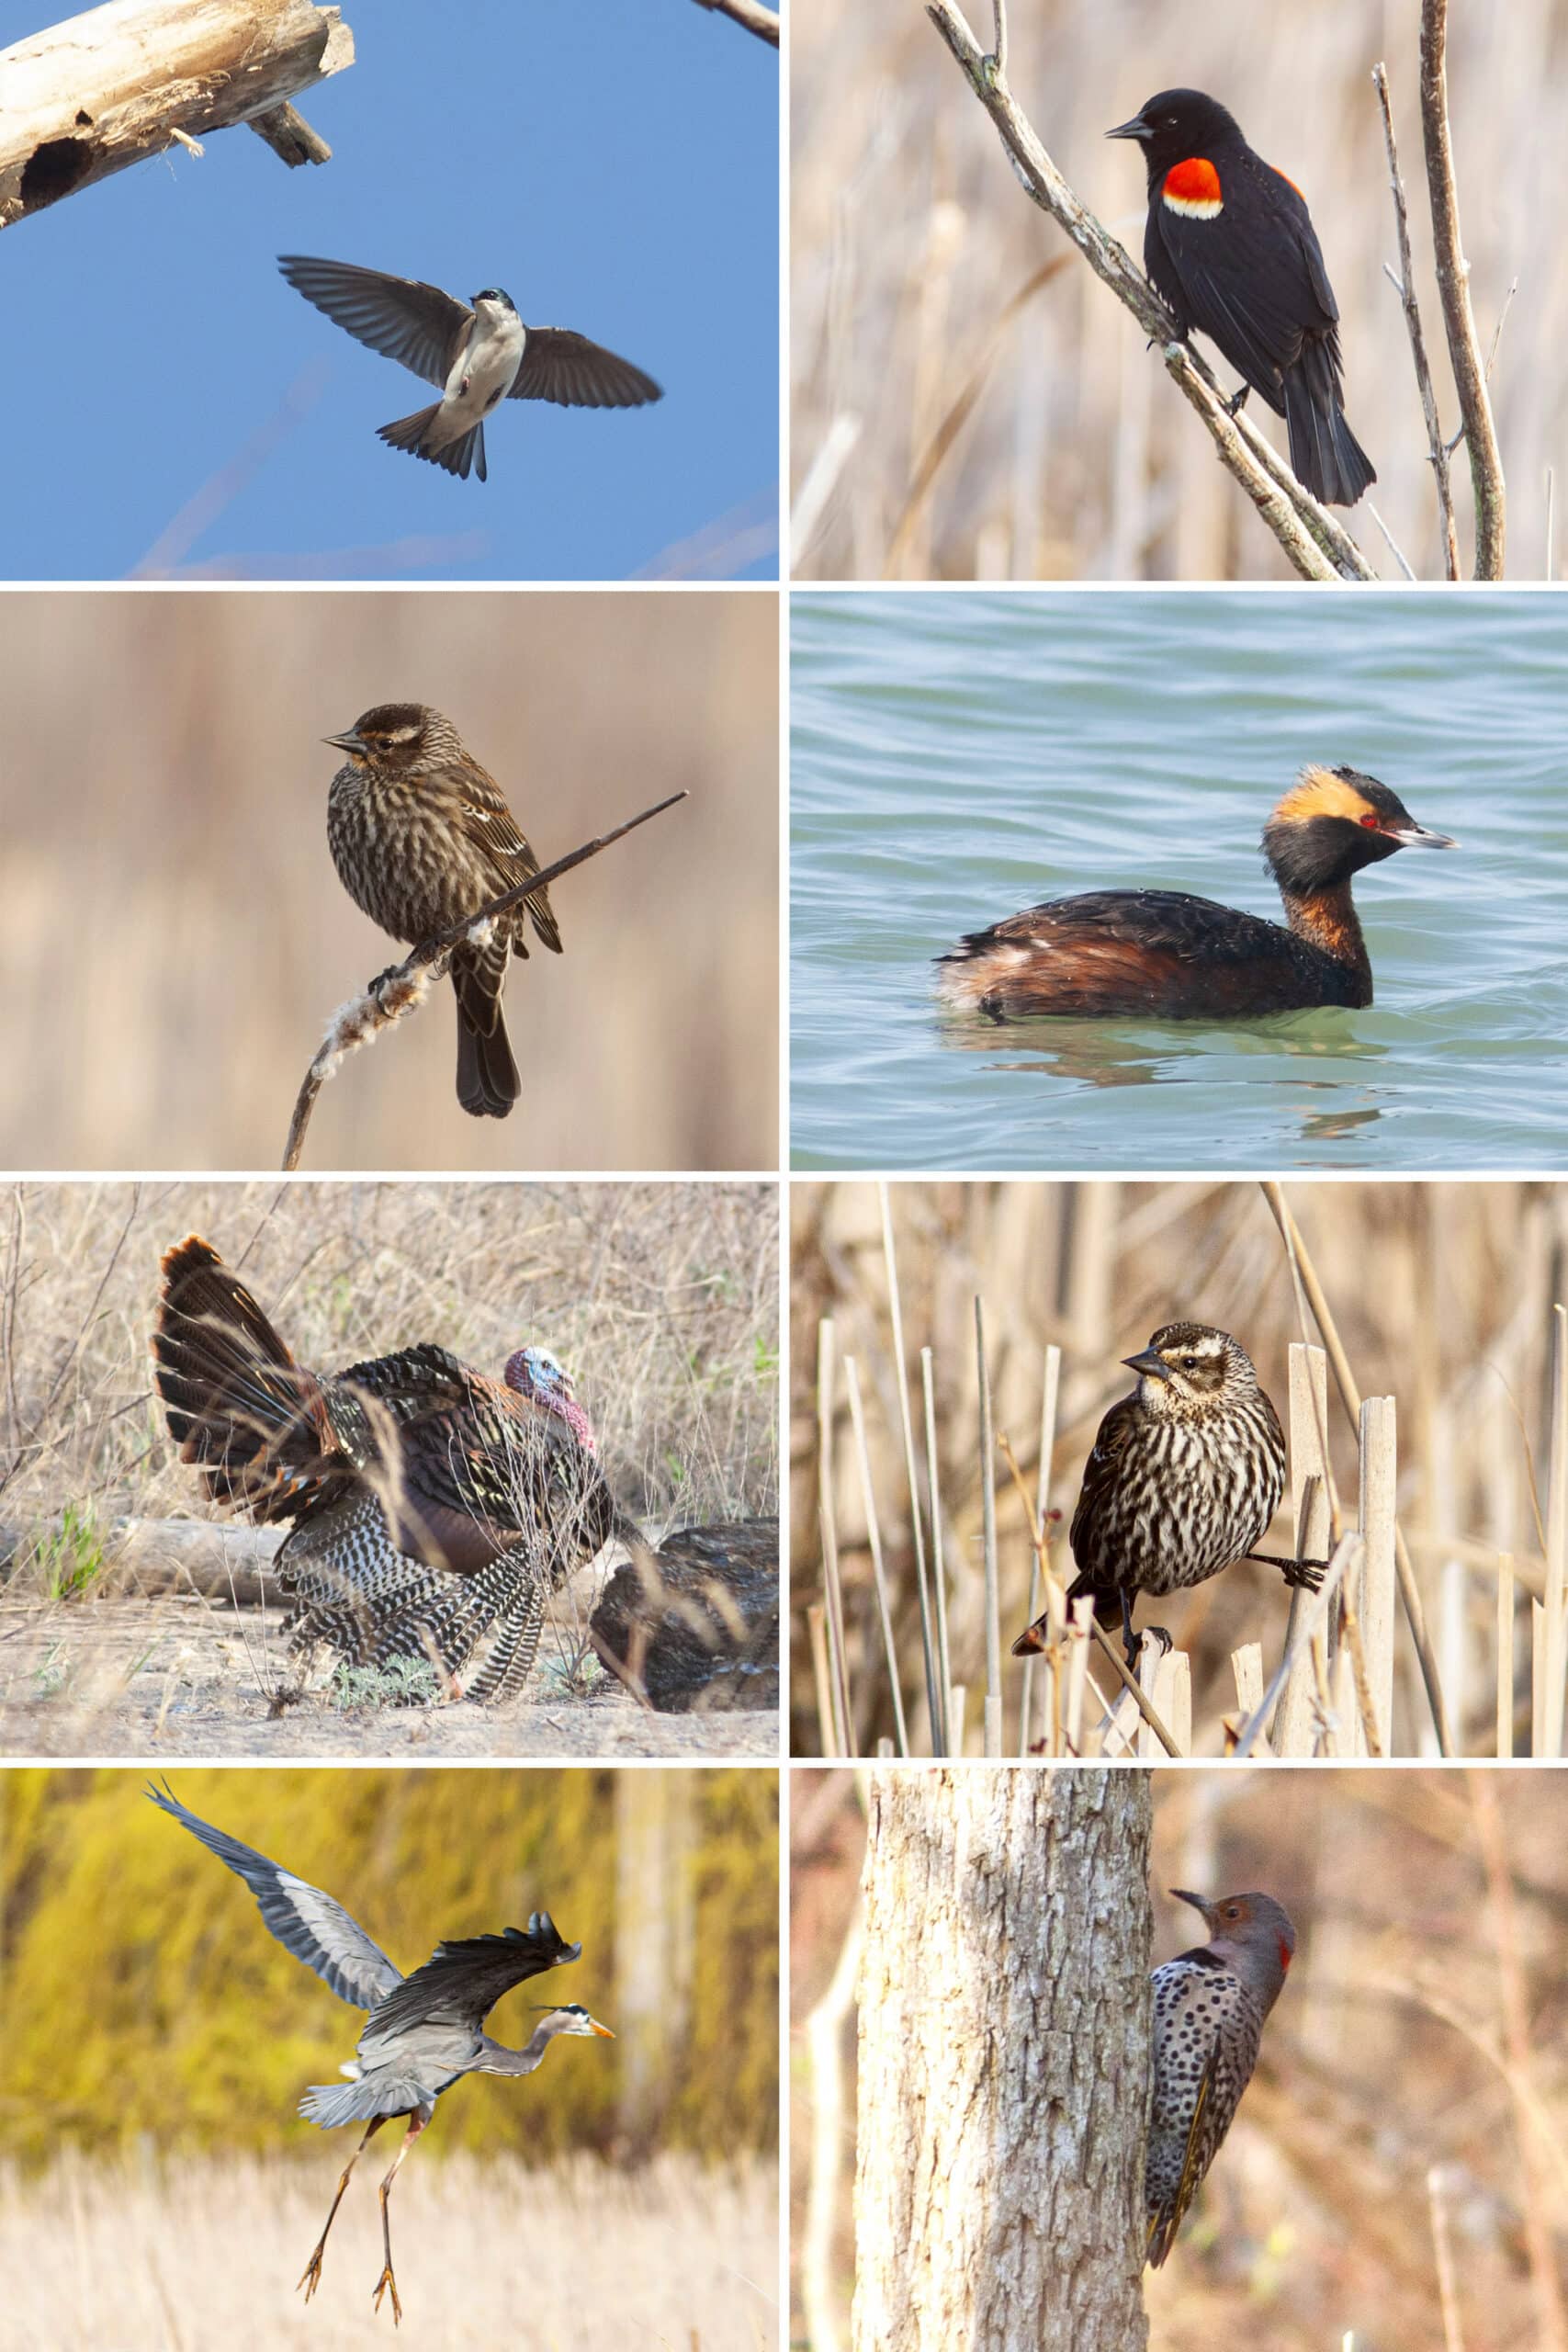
478, 357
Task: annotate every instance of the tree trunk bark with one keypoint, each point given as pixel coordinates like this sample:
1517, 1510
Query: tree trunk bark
1004, 2056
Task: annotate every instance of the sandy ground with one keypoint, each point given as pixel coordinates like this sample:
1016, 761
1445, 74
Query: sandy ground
189, 1678
576, 2259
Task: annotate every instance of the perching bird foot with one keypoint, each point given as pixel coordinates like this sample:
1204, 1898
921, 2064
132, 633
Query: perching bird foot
1237, 401
312, 2278
1306, 1575
1134, 1644
383, 2284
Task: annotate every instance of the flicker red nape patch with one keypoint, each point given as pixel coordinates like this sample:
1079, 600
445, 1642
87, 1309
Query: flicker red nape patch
1192, 187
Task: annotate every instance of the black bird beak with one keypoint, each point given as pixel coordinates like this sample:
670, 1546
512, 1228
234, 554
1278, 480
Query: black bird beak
1149, 1362
1197, 1902
1136, 128
347, 742
1417, 837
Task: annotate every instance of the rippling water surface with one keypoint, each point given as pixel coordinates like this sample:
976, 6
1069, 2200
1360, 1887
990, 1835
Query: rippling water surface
956, 756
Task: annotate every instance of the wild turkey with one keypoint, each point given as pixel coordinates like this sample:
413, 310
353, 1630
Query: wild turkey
694, 1624
433, 1509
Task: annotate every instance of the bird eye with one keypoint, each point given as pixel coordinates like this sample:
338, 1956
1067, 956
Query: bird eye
1373, 824
1189, 1364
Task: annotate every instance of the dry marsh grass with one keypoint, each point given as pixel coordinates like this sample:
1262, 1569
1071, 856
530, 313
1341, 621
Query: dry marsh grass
145, 2257
910, 239
1443, 1294
661, 1299
1411, 2082
176, 937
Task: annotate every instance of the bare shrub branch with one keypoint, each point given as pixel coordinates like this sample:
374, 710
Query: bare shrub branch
1435, 445
409, 982
1453, 285
751, 14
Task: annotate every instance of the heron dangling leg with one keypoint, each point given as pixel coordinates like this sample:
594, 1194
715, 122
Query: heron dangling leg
312, 2278
386, 2281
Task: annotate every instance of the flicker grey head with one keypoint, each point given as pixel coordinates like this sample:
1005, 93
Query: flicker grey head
1251, 1934
1191, 1365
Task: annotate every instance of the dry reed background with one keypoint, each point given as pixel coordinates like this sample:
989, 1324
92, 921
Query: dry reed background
910, 237
176, 936
661, 1299
1412, 2075
147, 2259
1443, 1294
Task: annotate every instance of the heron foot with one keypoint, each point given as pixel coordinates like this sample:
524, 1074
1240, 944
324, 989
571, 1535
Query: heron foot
385, 2284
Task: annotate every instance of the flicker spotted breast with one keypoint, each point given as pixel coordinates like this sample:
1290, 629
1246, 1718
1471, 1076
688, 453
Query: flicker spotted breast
433, 1509
1209, 2008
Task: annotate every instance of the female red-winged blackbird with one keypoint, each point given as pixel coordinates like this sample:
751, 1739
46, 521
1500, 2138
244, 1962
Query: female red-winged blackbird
1185, 1475
1231, 246
421, 837
1112, 953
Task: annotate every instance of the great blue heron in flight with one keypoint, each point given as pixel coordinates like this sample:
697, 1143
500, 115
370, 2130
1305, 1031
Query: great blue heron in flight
423, 2031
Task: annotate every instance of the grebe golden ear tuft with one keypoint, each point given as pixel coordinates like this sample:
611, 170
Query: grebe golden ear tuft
1323, 792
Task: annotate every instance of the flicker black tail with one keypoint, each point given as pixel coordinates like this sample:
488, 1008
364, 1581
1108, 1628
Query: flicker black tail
235, 1400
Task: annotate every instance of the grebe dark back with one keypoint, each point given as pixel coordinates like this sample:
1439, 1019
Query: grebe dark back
1182, 958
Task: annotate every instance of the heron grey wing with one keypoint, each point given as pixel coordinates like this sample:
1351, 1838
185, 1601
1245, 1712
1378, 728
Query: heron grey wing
567, 368
305, 1922
462, 1980
402, 318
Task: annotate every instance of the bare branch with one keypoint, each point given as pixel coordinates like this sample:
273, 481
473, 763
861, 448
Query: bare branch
1319, 546
88, 97
1437, 447
409, 982
1453, 285
752, 13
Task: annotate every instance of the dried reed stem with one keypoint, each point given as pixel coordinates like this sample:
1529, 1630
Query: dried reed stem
1454, 287
873, 1536
1505, 1655
906, 1430
993, 1729
939, 1565
1436, 447
826, 1508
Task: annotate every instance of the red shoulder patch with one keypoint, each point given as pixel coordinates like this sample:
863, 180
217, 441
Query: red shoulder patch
1192, 181
1290, 183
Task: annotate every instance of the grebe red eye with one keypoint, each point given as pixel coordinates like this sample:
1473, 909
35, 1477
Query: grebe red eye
1373, 824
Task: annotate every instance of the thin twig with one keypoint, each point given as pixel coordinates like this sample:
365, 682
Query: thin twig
408, 983
1453, 285
1436, 446
750, 15
1319, 546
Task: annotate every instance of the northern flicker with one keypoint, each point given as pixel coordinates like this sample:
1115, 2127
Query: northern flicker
1210, 2004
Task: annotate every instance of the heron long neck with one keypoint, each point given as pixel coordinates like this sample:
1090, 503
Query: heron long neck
499, 2059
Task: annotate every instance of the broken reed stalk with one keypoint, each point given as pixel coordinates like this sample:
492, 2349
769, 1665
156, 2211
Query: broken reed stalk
1556, 1597
407, 985
939, 1570
827, 1510
1307, 1635
821, 1678
1050, 1386
1504, 1746
873, 1536
1312, 1511
906, 1431
1375, 1584
993, 1721
1350, 1398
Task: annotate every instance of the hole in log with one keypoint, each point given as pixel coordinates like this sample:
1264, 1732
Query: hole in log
53, 169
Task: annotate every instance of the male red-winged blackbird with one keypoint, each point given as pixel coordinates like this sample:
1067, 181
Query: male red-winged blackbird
421, 837
1231, 246
1210, 2004
1185, 1475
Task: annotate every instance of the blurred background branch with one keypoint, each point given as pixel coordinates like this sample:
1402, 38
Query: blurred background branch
752, 13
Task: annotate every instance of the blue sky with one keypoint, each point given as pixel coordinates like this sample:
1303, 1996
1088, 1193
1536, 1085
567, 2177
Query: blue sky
613, 165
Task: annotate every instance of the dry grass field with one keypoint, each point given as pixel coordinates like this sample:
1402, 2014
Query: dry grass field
1408, 2128
176, 937
1442, 1293
912, 243
662, 1300
673, 2257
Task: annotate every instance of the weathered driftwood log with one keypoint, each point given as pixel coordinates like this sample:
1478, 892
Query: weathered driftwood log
152, 1556
696, 1624
84, 99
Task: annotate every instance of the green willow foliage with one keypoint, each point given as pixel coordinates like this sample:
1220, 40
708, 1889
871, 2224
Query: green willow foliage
141, 1999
